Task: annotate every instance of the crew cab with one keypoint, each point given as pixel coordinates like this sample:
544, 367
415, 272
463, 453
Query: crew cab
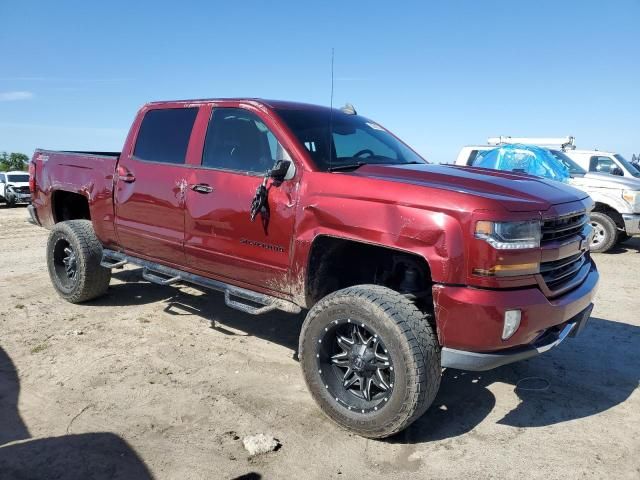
404, 267
14, 188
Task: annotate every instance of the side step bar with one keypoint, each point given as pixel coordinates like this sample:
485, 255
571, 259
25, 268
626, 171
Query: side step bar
241, 299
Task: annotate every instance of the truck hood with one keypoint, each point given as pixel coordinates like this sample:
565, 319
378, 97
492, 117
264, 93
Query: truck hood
18, 184
515, 192
605, 180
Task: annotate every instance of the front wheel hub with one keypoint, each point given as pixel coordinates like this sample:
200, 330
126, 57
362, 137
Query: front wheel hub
355, 366
599, 234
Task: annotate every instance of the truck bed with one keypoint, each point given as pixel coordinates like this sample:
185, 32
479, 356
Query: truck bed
84, 173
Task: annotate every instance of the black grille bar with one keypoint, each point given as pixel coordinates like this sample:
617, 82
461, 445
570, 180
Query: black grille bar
563, 227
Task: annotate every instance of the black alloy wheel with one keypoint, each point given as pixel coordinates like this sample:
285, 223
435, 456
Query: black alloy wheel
355, 366
65, 262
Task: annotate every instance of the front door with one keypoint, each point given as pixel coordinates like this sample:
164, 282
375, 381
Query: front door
220, 237
151, 183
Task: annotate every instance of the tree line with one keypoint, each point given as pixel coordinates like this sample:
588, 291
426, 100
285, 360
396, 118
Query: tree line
13, 161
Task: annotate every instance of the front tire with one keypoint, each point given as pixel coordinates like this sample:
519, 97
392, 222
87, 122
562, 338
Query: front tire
605, 232
11, 200
74, 254
370, 359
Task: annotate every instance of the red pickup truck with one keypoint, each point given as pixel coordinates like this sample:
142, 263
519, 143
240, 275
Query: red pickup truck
405, 267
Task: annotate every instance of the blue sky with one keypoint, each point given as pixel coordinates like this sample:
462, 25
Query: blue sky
438, 74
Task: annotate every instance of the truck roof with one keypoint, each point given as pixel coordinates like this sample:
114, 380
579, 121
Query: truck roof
592, 152
275, 104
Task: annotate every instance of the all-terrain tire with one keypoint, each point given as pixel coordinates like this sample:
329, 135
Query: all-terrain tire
605, 233
90, 280
412, 347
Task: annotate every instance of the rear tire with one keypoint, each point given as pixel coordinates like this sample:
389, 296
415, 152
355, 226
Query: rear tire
605, 232
379, 336
74, 254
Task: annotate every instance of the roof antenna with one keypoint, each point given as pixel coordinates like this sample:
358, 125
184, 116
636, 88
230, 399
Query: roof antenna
331, 113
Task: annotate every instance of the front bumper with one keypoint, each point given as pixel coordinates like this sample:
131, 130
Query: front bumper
631, 223
22, 197
470, 320
463, 360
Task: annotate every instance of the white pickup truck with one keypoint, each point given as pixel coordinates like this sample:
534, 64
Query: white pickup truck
616, 216
14, 188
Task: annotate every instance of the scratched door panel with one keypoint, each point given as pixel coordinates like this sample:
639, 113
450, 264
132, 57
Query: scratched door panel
221, 239
151, 182
150, 211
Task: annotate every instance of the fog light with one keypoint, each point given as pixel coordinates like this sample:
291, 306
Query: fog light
511, 323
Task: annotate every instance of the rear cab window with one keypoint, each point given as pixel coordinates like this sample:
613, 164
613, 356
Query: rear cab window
164, 135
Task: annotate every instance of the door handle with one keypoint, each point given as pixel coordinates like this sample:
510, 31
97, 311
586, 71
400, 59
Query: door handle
125, 175
201, 188
128, 177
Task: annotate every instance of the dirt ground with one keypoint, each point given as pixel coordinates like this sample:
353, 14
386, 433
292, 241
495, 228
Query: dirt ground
160, 382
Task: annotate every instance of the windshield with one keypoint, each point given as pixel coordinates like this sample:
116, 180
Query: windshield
628, 165
18, 178
573, 167
353, 141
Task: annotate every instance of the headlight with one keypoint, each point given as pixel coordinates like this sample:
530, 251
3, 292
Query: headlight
509, 235
632, 197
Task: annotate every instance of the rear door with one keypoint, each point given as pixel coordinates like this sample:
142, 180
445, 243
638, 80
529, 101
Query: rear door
150, 186
220, 238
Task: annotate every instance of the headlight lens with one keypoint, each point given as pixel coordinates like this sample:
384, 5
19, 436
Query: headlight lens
632, 197
509, 235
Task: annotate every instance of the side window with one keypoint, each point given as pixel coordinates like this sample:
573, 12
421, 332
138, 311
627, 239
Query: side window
2, 180
472, 157
164, 135
238, 140
601, 164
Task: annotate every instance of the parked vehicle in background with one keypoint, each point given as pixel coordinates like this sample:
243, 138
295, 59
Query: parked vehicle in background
14, 188
405, 267
604, 162
616, 214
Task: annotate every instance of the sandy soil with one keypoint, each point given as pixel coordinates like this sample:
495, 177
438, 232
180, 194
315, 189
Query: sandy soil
160, 382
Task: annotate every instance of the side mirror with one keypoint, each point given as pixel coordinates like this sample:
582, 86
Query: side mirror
280, 169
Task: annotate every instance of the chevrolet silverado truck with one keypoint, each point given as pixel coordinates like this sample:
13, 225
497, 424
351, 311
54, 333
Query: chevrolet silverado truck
404, 267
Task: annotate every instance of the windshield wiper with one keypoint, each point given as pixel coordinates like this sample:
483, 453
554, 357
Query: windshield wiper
349, 166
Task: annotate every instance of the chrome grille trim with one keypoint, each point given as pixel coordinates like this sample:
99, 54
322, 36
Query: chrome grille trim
555, 274
563, 227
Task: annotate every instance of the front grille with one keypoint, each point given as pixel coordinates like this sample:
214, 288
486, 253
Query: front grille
558, 273
563, 227
21, 189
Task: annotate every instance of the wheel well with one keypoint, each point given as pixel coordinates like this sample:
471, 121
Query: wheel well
611, 212
336, 263
70, 206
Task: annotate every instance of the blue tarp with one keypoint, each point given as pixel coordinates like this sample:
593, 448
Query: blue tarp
523, 158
